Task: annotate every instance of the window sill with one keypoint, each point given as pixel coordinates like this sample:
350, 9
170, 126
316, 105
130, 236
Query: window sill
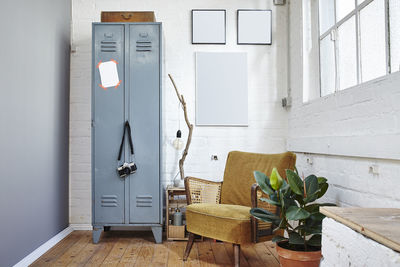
375, 82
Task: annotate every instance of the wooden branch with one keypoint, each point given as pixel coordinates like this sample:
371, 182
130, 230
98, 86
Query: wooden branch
189, 125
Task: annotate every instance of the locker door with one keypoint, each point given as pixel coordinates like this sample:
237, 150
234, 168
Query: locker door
108, 115
144, 97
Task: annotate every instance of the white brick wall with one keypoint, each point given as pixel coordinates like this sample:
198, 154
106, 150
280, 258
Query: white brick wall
342, 246
346, 133
267, 85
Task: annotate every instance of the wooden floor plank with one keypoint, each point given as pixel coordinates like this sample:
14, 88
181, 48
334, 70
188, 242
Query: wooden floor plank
206, 256
116, 252
125, 249
145, 254
103, 251
175, 257
265, 255
54, 253
229, 250
73, 251
130, 255
251, 256
160, 258
193, 259
220, 254
271, 246
83, 257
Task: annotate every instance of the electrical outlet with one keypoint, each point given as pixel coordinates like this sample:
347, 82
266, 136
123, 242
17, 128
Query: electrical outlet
279, 2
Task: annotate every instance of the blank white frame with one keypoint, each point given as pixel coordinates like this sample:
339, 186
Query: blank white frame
254, 26
208, 26
221, 89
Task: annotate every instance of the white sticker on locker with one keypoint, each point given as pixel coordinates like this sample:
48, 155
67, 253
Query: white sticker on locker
109, 73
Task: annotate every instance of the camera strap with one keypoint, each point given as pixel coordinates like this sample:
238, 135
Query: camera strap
127, 128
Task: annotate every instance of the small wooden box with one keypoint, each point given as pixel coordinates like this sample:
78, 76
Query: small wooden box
176, 231
128, 16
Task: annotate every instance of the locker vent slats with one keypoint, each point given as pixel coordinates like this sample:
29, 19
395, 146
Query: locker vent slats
143, 46
109, 201
108, 46
144, 201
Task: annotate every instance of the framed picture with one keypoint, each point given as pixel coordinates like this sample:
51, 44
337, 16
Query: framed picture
254, 26
208, 26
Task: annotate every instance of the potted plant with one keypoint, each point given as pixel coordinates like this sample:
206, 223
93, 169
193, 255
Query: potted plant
299, 215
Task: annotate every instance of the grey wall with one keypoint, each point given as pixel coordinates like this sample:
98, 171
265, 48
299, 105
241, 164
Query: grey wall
34, 114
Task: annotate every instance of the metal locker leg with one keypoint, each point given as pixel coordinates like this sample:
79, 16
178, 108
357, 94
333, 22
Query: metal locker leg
96, 233
157, 233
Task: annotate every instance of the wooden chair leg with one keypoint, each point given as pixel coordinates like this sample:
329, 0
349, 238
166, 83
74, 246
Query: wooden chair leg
188, 246
236, 254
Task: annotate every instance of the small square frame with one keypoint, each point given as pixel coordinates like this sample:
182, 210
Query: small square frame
250, 30
208, 26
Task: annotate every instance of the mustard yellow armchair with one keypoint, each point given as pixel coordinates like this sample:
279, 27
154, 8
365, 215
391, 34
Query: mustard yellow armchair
222, 210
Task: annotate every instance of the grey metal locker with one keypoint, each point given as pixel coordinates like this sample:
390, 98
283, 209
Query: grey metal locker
134, 200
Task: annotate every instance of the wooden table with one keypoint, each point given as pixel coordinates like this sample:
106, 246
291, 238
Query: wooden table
379, 224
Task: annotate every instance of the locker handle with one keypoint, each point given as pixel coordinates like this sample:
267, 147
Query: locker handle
126, 17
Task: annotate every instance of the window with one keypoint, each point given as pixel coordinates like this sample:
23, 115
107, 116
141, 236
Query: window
359, 40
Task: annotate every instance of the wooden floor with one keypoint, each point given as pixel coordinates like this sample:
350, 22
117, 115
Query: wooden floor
138, 249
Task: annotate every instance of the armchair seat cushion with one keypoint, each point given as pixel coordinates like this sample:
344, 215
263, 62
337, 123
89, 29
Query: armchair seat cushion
225, 222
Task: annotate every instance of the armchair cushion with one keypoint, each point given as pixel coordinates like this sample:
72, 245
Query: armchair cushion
225, 222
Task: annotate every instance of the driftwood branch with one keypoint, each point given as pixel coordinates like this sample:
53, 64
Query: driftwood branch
189, 125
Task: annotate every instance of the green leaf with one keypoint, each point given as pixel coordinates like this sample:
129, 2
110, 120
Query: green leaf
283, 224
299, 199
289, 202
278, 238
265, 215
296, 213
312, 197
322, 180
296, 184
315, 206
315, 240
295, 239
311, 185
313, 223
263, 181
270, 201
275, 179
285, 189
308, 230
323, 189
317, 216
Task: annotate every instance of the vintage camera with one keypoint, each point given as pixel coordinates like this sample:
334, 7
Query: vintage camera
126, 169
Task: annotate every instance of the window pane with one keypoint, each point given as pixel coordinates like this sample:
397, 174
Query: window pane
343, 8
326, 15
327, 65
373, 45
347, 54
394, 13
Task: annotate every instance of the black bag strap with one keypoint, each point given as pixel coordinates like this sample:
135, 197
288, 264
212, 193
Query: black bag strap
127, 127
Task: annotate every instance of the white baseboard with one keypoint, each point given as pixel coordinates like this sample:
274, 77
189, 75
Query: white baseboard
81, 226
44, 248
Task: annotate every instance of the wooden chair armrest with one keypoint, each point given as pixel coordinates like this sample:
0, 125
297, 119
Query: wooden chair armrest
259, 228
202, 191
254, 199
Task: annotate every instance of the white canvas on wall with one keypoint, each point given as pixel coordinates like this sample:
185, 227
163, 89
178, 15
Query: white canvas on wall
208, 26
254, 26
221, 89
